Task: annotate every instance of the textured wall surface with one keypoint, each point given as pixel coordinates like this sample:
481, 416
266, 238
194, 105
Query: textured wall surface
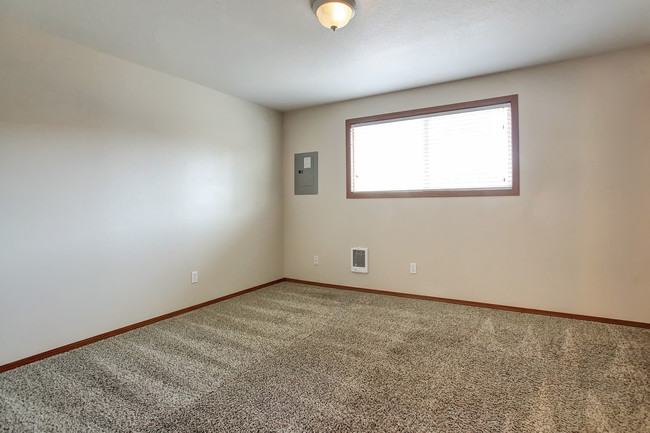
576, 240
116, 182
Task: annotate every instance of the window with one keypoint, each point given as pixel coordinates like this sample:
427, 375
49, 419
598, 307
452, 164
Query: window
466, 149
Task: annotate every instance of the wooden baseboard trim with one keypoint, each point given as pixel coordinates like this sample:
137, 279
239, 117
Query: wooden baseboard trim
479, 304
71, 346
68, 347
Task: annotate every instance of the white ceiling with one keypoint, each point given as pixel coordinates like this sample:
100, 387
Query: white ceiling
275, 53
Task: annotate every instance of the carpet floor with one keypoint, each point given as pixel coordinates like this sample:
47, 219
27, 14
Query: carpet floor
297, 358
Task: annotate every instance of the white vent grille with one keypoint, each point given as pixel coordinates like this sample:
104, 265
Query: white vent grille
359, 260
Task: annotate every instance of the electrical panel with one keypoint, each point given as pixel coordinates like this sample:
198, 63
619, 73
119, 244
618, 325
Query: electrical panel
305, 173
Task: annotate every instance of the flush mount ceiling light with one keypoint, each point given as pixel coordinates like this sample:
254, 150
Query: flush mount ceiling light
334, 14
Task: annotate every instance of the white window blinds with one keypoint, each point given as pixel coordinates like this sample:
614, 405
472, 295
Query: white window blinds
465, 149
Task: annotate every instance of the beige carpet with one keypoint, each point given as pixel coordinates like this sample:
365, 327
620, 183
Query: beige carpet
294, 358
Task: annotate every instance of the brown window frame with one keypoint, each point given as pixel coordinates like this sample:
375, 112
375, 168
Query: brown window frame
513, 100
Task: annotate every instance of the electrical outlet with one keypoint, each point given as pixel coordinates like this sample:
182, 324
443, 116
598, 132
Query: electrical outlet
414, 268
315, 260
195, 277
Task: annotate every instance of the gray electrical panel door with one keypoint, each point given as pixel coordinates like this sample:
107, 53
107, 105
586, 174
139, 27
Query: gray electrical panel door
305, 173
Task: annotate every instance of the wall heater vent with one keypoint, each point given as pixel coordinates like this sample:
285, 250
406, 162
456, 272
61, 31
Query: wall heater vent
359, 258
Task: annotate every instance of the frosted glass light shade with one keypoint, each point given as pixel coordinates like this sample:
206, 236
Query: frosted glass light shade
334, 14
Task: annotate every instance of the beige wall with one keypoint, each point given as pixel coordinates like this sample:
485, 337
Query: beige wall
576, 240
116, 182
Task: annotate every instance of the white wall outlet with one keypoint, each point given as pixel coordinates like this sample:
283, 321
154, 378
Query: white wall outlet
414, 268
315, 260
195, 277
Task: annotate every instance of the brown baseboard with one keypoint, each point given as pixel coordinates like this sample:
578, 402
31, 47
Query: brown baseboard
71, 346
68, 347
480, 304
